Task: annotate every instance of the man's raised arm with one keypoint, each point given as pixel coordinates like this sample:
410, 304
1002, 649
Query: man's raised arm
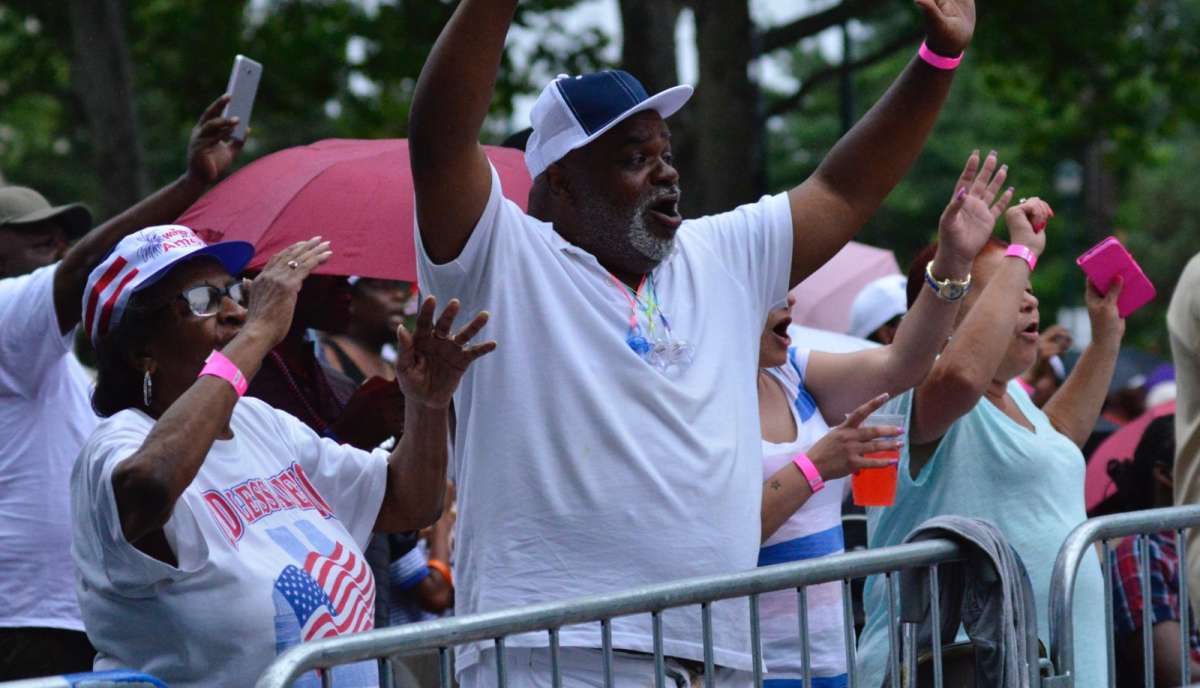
451, 176
831, 206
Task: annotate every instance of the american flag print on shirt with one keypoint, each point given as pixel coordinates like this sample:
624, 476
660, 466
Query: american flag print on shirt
309, 603
334, 592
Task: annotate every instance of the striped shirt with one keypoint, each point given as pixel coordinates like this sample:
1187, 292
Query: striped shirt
815, 530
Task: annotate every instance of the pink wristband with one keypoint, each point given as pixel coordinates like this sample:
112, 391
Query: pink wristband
810, 472
1022, 252
218, 365
938, 61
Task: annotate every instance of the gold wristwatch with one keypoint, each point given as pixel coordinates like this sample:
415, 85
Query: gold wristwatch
947, 289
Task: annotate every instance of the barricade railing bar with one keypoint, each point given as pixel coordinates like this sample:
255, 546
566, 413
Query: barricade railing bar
1080, 543
445, 634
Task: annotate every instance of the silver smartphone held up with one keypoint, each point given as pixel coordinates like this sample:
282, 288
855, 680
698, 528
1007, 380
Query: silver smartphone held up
243, 85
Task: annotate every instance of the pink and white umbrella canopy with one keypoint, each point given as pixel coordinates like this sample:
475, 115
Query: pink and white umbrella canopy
823, 300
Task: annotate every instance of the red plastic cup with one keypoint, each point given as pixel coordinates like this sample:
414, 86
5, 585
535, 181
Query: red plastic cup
877, 486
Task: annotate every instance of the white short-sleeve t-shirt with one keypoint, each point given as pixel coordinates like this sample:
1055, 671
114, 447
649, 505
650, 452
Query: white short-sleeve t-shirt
45, 417
580, 467
268, 538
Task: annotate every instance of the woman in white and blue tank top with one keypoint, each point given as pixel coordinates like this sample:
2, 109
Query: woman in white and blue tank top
806, 462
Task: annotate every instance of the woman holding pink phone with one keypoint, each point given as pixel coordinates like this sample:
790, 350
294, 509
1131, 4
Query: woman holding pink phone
979, 447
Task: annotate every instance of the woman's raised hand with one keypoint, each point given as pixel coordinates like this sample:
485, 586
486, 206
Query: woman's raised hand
431, 360
841, 451
977, 203
273, 293
1107, 324
1027, 222
211, 150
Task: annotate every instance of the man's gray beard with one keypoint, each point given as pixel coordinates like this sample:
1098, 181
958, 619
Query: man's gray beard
644, 242
635, 244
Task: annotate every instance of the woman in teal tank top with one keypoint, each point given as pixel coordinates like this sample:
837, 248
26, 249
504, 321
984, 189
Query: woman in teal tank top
979, 447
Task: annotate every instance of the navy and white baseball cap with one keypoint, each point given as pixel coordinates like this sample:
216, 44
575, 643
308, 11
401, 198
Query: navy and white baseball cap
572, 112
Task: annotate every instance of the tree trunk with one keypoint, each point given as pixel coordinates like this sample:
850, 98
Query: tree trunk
725, 161
102, 77
648, 43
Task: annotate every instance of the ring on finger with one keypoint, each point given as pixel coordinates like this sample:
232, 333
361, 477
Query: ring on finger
1022, 201
293, 264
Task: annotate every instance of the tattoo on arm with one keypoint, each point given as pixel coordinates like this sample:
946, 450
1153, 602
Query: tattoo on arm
775, 485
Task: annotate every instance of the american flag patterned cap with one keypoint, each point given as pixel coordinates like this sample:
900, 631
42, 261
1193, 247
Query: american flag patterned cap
141, 259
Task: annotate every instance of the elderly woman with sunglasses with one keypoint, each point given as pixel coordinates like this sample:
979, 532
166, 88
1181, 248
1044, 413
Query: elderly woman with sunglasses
213, 532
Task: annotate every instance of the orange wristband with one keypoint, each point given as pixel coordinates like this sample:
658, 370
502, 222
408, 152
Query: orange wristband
442, 568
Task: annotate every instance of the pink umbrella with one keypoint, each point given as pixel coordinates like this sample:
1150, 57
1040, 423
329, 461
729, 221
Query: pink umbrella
356, 193
823, 300
1097, 486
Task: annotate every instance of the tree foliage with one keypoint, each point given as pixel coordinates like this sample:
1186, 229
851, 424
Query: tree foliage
332, 68
1043, 97
1104, 85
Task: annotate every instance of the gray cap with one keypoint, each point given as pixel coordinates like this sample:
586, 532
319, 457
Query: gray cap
20, 205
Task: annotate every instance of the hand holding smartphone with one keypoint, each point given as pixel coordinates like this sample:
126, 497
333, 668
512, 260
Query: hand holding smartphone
243, 86
1104, 262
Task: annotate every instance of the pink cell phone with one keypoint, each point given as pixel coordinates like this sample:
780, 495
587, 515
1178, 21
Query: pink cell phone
1104, 262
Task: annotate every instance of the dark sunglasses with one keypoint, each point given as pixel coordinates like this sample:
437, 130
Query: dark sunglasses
205, 301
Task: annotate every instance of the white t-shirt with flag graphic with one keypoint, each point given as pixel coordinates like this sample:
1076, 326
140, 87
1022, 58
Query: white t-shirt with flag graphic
815, 530
268, 538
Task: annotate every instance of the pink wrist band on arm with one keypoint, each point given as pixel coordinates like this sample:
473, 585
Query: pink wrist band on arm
811, 474
1022, 252
938, 61
219, 366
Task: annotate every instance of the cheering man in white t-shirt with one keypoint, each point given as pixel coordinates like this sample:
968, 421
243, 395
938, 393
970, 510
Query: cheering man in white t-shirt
45, 414
612, 440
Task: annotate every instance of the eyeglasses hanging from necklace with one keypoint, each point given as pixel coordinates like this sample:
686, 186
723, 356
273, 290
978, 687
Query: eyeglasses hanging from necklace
656, 346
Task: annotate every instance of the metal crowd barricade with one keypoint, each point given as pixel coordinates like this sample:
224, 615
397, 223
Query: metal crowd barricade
443, 635
1062, 589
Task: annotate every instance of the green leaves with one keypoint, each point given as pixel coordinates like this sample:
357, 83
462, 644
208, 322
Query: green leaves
1108, 86
332, 68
